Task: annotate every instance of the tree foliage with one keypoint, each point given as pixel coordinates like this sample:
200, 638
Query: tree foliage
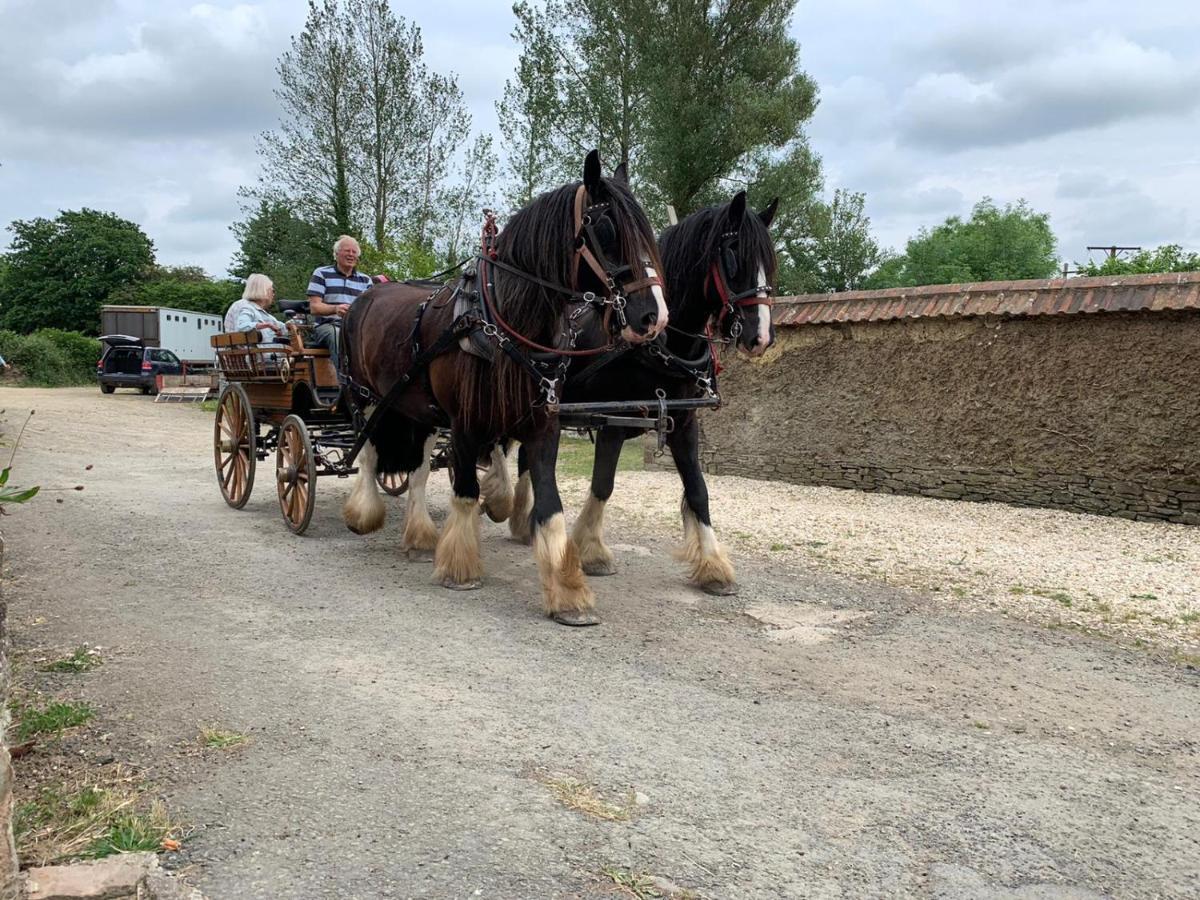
59, 271
995, 244
1167, 258
368, 134
700, 97
179, 287
831, 250
275, 241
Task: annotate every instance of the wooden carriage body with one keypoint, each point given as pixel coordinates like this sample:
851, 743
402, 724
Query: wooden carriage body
282, 399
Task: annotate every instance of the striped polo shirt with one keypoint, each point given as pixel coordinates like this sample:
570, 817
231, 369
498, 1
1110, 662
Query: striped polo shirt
332, 286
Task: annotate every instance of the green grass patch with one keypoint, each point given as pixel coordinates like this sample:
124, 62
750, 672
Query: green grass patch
81, 659
632, 884
54, 718
219, 739
1017, 590
1143, 596
1189, 617
575, 456
776, 548
131, 832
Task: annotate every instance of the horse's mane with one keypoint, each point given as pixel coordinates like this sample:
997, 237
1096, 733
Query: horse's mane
690, 248
540, 239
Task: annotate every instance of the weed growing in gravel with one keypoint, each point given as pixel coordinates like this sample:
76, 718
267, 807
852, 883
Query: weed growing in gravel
90, 817
775, 548
55, 718
1189, 617
82, 659
1017, 590
130, 832
1143, 597
582, 797
634, 884
219, 739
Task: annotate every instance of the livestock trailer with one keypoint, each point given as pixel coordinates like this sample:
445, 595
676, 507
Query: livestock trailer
184, 332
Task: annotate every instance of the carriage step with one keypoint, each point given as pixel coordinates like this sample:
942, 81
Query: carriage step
184, 395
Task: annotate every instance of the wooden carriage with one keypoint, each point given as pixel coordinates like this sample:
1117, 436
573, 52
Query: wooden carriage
286, 399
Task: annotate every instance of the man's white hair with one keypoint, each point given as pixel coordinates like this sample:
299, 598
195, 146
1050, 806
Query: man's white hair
345, 238
258, 288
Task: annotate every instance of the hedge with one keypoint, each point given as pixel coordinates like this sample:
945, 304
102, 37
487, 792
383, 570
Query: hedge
51, 357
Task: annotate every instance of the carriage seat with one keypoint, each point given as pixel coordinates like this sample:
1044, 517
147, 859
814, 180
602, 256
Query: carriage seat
293, 308
235, 339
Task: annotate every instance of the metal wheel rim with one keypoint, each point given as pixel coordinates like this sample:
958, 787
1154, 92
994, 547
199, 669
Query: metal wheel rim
234, 445
394, 484
296, 496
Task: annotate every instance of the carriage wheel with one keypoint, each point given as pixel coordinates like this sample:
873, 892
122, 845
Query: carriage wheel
394, 484
234, 439
295, 474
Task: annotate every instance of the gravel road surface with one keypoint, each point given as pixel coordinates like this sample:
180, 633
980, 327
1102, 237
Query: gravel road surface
830, 732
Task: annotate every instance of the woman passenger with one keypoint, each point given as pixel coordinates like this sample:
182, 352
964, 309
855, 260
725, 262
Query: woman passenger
250, 313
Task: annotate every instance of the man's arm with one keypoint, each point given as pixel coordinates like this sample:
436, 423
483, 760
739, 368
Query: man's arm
319, 307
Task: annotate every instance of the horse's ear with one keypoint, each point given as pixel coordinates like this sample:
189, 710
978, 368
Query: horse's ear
591, 172
768, 214
622, 174
737, 208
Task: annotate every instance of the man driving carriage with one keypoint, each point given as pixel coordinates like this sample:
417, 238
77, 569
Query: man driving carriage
332, 289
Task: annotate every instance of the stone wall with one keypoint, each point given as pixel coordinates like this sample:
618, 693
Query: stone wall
1096, 412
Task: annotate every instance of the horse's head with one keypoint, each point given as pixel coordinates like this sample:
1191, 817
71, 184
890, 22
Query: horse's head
741, 274
616, 256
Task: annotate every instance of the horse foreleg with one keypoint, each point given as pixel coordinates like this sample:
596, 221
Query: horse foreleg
566, 595
456, 561
364, 510
710, 567
497, 486
420, 533
588, 533
519, 520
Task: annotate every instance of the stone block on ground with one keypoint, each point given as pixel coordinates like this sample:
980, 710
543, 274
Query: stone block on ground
131, 876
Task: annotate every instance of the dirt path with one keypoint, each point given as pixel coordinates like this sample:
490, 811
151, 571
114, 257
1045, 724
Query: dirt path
814, 737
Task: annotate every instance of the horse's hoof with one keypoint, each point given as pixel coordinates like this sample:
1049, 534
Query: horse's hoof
576, 618
453, 585
720, 588
600, 568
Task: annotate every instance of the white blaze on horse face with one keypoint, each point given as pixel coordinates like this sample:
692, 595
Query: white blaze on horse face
764, 316
657, 290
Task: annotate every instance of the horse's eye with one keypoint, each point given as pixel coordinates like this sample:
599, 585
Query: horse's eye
731, 263
606, 233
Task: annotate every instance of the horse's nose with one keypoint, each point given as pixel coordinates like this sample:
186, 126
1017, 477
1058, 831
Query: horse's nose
649, 320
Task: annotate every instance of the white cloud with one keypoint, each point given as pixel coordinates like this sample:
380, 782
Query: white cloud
1104, 79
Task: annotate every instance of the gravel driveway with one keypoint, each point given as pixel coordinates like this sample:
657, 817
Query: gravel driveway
839, 729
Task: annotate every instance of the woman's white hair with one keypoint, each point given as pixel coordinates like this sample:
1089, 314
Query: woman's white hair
345, 238
258, 288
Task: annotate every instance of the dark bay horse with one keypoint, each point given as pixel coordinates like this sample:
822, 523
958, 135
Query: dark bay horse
578, 258
719, 265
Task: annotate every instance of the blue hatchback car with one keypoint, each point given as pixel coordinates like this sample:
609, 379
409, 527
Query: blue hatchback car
128, 362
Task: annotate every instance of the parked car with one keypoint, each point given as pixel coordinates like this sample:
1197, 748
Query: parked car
128, 362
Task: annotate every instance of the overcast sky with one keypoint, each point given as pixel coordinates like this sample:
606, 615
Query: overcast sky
1088, 110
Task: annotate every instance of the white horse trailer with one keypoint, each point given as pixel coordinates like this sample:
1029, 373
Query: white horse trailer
184, 332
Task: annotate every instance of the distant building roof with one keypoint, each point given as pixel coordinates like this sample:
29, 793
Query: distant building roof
1050, 297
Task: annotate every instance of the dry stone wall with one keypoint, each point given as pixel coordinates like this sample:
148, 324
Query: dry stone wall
1096, 413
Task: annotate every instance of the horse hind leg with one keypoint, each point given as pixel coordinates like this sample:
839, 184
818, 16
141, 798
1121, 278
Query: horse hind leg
364, 510
420, 534
496, 487
520, 518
